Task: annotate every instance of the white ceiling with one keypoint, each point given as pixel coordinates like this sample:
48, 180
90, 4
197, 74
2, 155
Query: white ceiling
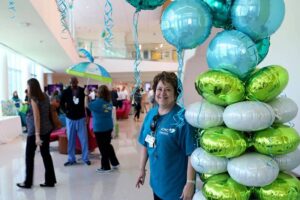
29, 35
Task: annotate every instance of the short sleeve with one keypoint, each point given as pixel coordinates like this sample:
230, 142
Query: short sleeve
187, 139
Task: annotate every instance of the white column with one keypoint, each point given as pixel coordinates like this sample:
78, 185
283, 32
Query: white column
3, 78
49, 78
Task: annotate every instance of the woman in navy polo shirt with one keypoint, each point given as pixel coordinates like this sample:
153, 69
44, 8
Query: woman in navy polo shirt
167, 145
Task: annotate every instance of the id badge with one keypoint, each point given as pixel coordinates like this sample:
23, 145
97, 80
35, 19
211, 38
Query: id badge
150, 140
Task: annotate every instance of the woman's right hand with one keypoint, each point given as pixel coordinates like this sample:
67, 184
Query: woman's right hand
141, 178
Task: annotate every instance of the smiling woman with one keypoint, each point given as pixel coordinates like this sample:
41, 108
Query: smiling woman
166, 144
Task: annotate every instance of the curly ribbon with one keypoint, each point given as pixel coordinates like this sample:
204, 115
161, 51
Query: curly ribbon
108, 22
63, 9
137, 61
12, 8
87, 54
179, 117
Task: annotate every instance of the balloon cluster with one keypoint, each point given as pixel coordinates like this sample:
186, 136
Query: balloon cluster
245, 148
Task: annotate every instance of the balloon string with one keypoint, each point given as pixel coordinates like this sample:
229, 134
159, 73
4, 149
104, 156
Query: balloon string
138, 53
108, 22
179, 117
12, 8
63, 9
87, 54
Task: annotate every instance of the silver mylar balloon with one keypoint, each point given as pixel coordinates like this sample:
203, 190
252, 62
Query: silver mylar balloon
248, 116
232, 51
199, 196
285, 109
257, 18
186, 24
253, 169
204, 114
288, 162
204, 162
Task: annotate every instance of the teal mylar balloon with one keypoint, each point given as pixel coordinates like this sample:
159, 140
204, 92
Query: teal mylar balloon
222, 141
262, 47
267, 83
146, 4
186, 24
232, 51
220, 88
220, 10
257, 18
285, 187
277, 140
221, 186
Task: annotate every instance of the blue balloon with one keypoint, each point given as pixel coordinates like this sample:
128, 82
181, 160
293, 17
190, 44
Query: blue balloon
257, 18
232, 51
186, 24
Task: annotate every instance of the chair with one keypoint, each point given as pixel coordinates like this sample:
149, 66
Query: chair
54, 135
92, 143
122, 113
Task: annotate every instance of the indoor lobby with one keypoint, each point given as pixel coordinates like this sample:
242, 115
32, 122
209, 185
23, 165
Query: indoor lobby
47, 40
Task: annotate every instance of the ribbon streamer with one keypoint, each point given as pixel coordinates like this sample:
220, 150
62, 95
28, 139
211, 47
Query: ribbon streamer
87, 54
108, 22
179, 117
63, 9
12, 8
137, 75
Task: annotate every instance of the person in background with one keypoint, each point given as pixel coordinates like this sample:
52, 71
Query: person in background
137, 104
119, 99
144, 101
26, 96
16, 99
101, 110
54, 107
114, 97
150, 97
167, 144
39, 128
72, 103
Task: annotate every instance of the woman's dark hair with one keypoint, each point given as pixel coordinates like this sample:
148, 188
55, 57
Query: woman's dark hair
35, 92
104, 93
166, 77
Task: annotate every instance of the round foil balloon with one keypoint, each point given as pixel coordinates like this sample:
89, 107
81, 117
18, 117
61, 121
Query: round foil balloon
288, 162
257, 18
222, 141
220, 11
199, 196
232, 51
220, 88
267, 83
248, 116
221, 186
253, 169
204, 162
186, 24
277, 140
285, 187
262, 47
285, 109
204, 115
146, 4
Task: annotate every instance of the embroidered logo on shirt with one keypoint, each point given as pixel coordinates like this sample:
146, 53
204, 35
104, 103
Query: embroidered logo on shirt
166, 131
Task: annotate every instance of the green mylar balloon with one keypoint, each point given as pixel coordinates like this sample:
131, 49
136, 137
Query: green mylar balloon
285, 187
277, 140
146, 4
220, 88
221, 186
220, 10
222, 141
205, 177
262, 47
266, 83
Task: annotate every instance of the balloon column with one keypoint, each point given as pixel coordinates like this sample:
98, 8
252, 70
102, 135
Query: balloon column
245, 149
140, 5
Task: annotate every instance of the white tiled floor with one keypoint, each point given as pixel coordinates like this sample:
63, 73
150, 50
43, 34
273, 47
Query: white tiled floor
78, 182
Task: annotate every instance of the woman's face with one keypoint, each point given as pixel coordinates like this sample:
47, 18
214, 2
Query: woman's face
165, 94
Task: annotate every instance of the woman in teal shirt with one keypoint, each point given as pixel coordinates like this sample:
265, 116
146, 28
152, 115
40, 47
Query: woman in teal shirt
101, 109
167, 145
